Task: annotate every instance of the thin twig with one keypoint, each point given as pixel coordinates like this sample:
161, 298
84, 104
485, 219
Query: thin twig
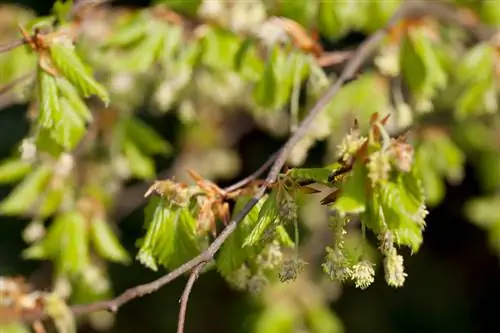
247, 180
185, 297
409, 8
12, 45
5, 88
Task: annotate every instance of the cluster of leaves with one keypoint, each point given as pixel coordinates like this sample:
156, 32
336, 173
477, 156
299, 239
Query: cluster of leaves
206, 58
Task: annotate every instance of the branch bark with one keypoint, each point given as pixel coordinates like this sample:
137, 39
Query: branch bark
363, 52
185, 297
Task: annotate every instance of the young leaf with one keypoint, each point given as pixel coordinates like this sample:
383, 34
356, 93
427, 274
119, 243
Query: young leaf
170, 238
144, 55
74, 244
232, 254
266, 89
25, 195
352, 199
52, 201
145, 137
13, 169
50, 109
70, 93
267, 215
319, 175
70, 128
220, 48
106, 243
128, 33
177, 242
69, 64
140, 165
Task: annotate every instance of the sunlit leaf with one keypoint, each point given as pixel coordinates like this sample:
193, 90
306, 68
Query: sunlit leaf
70, 93
26, 194
13, 169
319, 175
140, 165
71, 66
106, 242
267, 215
352, 199
74, 244
232, 254
145, 137
50, 109
171, 237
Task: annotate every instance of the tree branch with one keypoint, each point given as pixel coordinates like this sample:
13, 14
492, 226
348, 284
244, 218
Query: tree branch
12, 45
185, 297
363, 52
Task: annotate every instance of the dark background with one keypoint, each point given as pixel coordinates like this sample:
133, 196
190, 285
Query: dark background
453, 284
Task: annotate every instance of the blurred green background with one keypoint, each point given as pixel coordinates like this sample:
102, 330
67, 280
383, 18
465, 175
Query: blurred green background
453, 284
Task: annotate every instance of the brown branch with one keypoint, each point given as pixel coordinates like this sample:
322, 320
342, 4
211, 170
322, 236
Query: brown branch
12, 45
5, 88
363, 52
185, 297
247, 180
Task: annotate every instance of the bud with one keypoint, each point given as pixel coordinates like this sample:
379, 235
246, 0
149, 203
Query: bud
363, 274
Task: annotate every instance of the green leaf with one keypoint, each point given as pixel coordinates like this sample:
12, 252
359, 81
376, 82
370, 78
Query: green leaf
472, 101
247, 61
74, 244
71, 66
319, 175
333, 18
147, 52
301, 12
140, 165
352, 198
220, 48
407, 228
189, 7
14, 328
171, 237
232, 254
62, 9
26, 194
52, 200
70, 93
50, 109
106, 243
13, 169
267, 215
70, 127
484, 211
145, 137
46, 143
420, 65
128, 32
266, 88
477, 64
